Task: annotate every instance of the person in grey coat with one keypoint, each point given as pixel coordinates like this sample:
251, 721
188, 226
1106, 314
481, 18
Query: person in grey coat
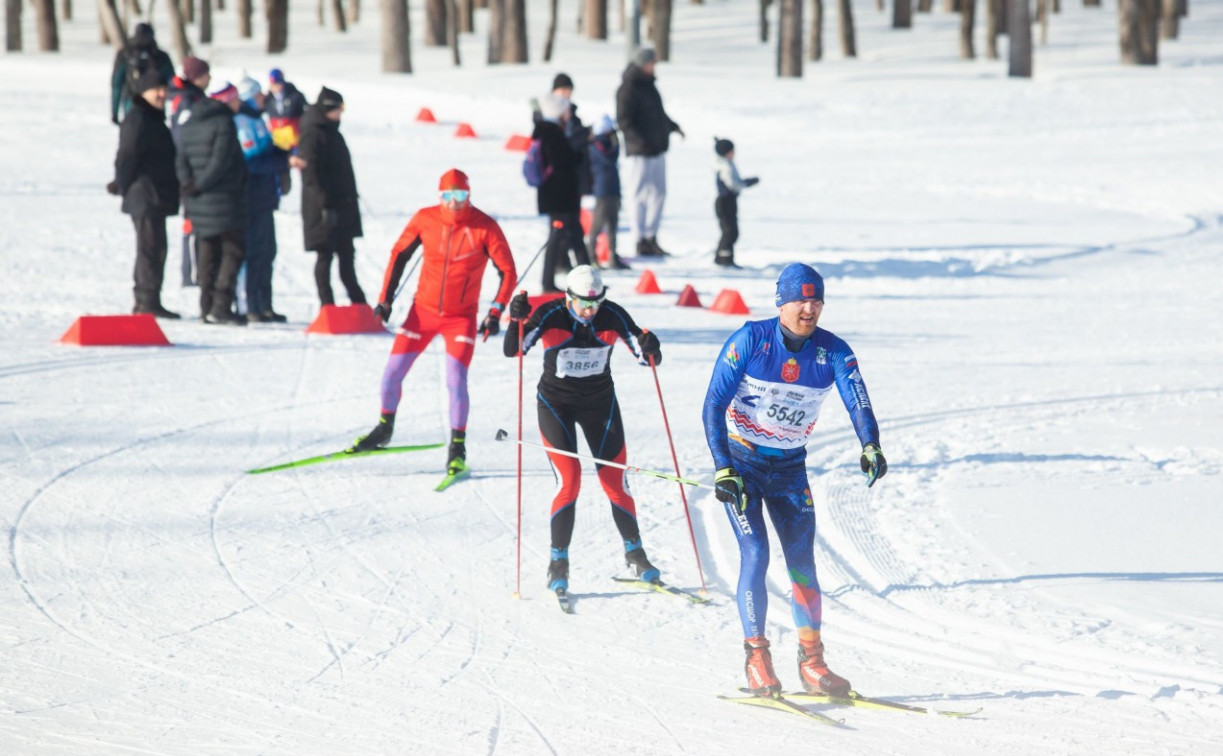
212, 173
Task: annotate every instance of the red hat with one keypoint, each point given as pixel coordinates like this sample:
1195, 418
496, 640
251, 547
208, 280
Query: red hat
454, 179
226, 92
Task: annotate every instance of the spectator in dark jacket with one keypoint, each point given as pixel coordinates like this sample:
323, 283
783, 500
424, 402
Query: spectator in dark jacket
213, 178
331, 218
558, 196
139, 56
144, 176
647, 133
185, 91
604, 158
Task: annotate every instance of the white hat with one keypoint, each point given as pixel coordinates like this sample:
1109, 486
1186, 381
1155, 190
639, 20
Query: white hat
604, 125
248, 88
584, 282
552, 107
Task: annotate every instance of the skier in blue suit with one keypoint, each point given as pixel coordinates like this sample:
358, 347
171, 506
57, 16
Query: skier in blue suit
761, 406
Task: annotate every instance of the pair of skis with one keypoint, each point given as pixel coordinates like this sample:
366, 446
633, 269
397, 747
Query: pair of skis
353, 452
793, 704
565, 600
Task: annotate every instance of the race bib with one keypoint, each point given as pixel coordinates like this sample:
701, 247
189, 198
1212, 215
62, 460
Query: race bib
780, 415
581, 363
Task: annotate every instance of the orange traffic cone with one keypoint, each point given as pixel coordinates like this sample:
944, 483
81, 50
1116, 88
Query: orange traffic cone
518, 143
730, 302
648, 284
425, 116
688, 297
465, 131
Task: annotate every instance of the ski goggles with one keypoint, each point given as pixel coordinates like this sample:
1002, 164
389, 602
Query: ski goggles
455, 195
581, 303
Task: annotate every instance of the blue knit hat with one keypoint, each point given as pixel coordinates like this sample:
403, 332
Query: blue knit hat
798, 281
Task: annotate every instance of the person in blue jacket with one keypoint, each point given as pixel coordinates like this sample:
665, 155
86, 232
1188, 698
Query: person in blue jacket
762, 403
604, 156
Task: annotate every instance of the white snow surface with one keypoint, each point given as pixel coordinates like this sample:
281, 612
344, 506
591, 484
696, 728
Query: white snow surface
1028, 271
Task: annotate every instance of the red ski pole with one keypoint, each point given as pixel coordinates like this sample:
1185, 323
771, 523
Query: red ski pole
518, 537
683, 495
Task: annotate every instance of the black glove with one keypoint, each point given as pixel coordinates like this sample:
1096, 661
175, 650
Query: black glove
751, 181
492, 322
189, 189
520, 307
874, 466
330, 218
649, 346
728, 487
383, 311
112, 187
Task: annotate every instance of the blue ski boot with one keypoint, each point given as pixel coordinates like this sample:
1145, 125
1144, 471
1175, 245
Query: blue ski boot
635, 558
558, 570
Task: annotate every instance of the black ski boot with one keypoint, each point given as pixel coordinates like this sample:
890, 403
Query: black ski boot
456, 459
635, 558
379, 437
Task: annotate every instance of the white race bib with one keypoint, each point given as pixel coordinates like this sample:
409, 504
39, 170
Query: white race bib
780, 415
581, 363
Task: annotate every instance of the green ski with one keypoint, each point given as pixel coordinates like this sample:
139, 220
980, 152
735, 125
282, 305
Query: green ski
346, 454
457, 471
857, 699
781, 703
663, 588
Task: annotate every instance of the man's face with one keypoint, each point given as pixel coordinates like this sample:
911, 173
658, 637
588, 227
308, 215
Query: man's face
566, 92
649, 68
801, 316
203, 81
276, 86
155, 96
455, 199
335, 113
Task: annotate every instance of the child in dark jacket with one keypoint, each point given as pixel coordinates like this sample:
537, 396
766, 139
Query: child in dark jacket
726, 206
604, 151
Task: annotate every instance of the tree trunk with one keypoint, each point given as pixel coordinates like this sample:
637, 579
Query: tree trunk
596, 19
992, 8
244, 11
1042, 18
550, 35
354, 11
968, 13
278, 25
1091, 3
661, 31
178, 30
46, 25
435, 23
206, 22
337, 15
396, 40
764, 20
12, 23
188, 8
514, 49
790, 39
1169, 26
1020, 52
66, 10
320, 12
1139, 22
902, 14
452, 31
816, 51
496, 30
467, 16
849, 46
925, 6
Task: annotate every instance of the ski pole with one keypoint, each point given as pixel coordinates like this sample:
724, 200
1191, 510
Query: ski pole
503, 436
522, 276
518, 538
406, 276
683, 495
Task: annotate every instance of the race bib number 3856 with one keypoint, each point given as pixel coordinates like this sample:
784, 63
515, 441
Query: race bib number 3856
581, 363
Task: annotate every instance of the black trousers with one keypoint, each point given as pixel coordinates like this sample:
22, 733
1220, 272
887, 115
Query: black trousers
565, 235
150, 269
727, 209
605, 215
342, 250
220, 258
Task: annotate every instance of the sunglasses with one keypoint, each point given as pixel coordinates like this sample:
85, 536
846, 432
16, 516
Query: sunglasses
582, 304
455, 195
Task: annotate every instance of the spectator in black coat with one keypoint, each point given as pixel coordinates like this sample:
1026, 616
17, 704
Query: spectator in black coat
212, 173
559, 195
184, 92
144, 177
647, 136
331, 218
139, 56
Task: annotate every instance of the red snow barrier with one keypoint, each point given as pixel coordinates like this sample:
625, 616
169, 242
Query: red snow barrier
115, 330
465, 131
688, 297
425, 116
334, 319
648, 284
730, 302
518, 143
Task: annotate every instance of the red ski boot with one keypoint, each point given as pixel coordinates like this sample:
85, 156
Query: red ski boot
814, 672
761, 679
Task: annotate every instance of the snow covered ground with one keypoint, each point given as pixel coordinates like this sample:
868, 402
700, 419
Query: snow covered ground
1029, 272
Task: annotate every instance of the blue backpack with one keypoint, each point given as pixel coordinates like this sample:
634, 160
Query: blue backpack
534, 170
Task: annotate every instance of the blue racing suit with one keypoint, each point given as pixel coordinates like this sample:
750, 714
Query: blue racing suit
761, 406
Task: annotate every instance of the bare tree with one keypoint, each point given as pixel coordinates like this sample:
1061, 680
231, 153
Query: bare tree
952, 6
764, 19
660, 31
452, 30
902, 14
816, 48
849, 45
66, 10
206, 21
46, 25
514, 46
925, 6
496, 29
1042, 18
188, 7
337, 15
993, 23
354, 11
12, 24
467, 16
178, 30
1019, 59
1139, 22
1091, 3
550, 35
435, 23
244, 11
278, 25
1169, 26
596, 19
968, 12
790, 39
396, 40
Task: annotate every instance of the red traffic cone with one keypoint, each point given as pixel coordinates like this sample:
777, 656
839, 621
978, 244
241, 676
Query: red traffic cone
602, 250
648, 284
730, 302
334, 319
688, 297
465, 131
115, 330
425, 116
518, 143
585, 218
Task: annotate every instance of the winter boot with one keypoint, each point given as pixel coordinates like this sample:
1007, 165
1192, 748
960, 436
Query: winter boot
456, 460
558, 570
379, 437
635, 558
725, 258
224, 317
814, 672
761, 679
645, 248
658, 251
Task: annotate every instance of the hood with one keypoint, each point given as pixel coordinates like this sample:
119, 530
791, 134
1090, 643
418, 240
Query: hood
633, 74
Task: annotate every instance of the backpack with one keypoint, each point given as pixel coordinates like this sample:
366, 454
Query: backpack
534, 169
139, 60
